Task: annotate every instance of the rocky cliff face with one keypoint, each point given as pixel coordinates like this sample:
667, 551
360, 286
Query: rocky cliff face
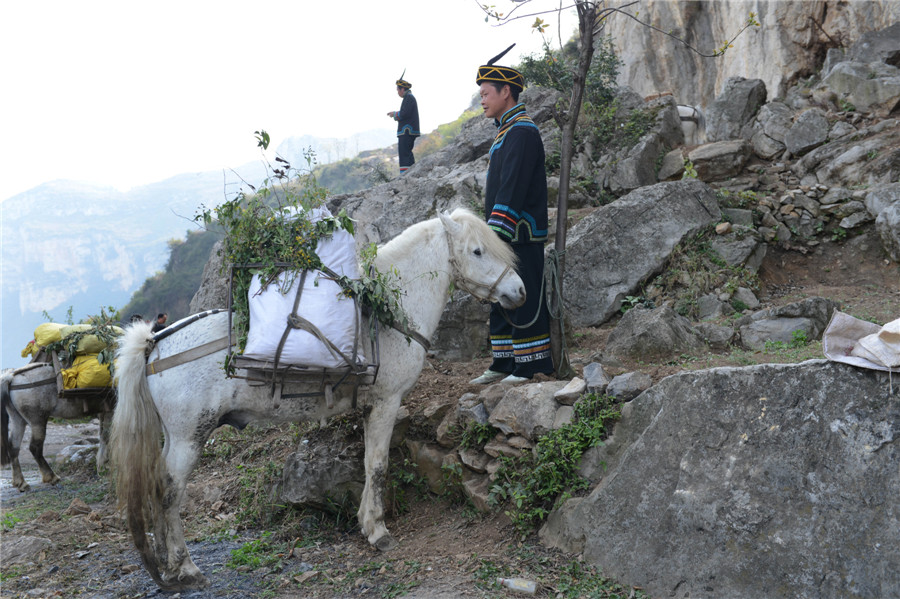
790, 43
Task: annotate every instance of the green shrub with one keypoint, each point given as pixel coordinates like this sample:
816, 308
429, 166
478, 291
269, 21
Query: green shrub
536, 482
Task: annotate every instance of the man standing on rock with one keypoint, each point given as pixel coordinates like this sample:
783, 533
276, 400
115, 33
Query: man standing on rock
407, 124
515, 206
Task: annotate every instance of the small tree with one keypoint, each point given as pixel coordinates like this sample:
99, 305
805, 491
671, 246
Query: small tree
592, 16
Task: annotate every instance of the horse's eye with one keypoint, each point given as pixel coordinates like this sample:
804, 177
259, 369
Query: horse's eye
477, 251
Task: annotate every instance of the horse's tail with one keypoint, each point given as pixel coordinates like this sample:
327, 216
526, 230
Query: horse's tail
701, 124
135, 450
5, 404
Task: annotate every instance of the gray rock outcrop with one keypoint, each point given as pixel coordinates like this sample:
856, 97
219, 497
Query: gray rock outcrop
793, 36
646, 225
730, 114
653, 334
764, 481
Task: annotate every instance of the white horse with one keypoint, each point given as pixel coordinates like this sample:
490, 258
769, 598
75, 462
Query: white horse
693, 124
28, 397
186, 403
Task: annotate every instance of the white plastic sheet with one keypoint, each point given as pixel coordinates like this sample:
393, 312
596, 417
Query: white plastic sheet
321, 303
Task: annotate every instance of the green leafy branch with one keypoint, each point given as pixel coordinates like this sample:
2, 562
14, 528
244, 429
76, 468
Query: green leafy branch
101, 326
268, 232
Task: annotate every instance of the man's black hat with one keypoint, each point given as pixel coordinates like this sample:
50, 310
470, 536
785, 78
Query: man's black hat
498, 74
403, 83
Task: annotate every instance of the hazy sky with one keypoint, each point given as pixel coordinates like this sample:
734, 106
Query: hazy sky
126, 93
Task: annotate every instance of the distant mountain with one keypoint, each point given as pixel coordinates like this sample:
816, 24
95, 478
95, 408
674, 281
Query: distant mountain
330, 150
66, 243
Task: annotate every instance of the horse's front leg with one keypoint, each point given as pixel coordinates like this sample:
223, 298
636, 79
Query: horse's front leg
17, 426
38, 435
181, 455
379, 425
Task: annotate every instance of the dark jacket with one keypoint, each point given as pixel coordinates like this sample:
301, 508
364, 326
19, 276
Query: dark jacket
515, 199
408, 116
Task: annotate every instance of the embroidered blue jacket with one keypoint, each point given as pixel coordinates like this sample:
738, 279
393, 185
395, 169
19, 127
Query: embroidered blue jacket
515, 199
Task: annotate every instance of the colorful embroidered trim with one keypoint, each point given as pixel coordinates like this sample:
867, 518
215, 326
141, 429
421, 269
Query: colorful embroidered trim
531, 349
502, 346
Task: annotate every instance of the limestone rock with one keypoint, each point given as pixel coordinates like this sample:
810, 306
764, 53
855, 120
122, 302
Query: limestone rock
809, 131
720, 160
763, 478
527, 410
652, 334
618, 246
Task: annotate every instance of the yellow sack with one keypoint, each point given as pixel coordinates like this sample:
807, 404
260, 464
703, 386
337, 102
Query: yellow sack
89, 344
31, 349
47, 333
86, 371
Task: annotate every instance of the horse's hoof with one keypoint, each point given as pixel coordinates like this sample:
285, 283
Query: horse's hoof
186, 582
23, 488
386, 543
52, 480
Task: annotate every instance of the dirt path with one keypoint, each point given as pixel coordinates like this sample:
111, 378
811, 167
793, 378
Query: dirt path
59, 436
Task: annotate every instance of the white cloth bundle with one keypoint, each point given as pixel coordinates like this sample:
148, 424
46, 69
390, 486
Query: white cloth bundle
321, 302
861, 343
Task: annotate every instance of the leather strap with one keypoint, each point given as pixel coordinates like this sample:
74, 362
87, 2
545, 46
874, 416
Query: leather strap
195, 353
31, 385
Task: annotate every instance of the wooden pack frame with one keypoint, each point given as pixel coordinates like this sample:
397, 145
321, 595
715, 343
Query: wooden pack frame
277, 374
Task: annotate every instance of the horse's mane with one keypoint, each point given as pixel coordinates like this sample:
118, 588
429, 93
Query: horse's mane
473, 227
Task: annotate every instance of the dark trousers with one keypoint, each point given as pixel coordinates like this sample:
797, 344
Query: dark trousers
405, 149
524, 352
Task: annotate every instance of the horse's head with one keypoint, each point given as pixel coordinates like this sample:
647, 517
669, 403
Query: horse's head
482, 263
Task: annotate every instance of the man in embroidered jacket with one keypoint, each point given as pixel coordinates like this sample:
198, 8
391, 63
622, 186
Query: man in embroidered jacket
516, 209
407, 124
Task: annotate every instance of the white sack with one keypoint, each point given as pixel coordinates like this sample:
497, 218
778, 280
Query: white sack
842, 342
322, 304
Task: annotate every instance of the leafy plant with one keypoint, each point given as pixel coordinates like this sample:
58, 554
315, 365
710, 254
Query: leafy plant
633, 301
695, 269
534, 483
579, 580
269, 232
846, 106
839, 234
101, 326
259, 553
8, 522
477, 434
403, 478
556, 68
689, 171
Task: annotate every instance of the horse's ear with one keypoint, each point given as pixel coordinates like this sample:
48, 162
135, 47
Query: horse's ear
451, 225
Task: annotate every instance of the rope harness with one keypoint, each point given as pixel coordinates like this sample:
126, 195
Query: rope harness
554, 309
467, 284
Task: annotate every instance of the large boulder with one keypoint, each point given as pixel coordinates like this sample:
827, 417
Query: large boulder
873, 87
653, 334
613, 250
870, 155
763, 481
734, 109
809, 131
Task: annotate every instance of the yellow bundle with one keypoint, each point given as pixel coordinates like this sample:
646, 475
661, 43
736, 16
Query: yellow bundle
47, 333
51, 332
31, 349
86, 371
89, 344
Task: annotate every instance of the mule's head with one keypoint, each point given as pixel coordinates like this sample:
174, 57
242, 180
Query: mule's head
483, 264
